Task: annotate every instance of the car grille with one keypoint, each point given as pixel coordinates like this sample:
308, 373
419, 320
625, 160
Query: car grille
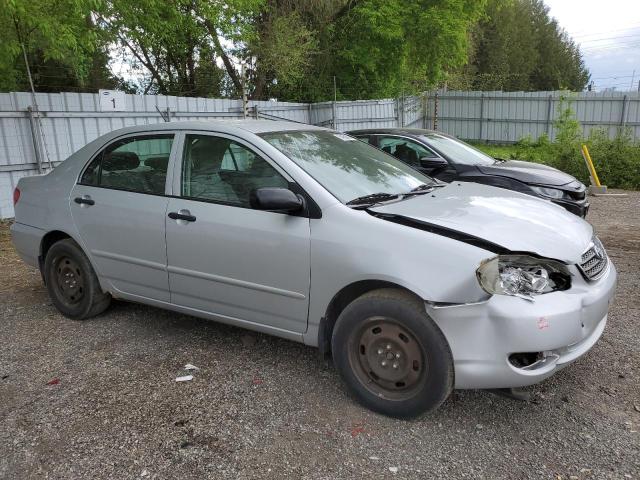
594, 261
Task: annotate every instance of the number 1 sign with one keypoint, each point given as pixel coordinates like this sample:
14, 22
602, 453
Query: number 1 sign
112, 101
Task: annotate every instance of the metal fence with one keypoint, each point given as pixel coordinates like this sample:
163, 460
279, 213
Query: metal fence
506, 117
32, 140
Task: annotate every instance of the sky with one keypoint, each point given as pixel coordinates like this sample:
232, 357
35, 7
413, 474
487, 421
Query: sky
608, 33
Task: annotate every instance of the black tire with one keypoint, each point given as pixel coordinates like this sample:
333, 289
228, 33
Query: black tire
389, 329
72, 284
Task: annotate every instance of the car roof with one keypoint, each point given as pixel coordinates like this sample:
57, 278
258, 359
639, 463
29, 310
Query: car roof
396, 131
228, 125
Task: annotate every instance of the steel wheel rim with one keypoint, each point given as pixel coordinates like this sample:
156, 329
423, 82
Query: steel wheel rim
388, 359
69, 280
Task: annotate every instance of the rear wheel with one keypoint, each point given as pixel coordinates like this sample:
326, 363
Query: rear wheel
72, 284
392, 356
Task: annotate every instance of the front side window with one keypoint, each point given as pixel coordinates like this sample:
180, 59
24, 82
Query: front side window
346, 167
406, 150
221, 170
137, 164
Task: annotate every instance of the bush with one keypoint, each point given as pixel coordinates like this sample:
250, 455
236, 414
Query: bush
617, 160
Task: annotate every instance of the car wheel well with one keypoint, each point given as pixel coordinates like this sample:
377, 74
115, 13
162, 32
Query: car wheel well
47, 242
343, 298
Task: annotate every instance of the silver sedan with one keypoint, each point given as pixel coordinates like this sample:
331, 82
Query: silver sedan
414, 287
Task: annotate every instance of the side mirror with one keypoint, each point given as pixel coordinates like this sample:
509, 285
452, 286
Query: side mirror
433, 162
275, 199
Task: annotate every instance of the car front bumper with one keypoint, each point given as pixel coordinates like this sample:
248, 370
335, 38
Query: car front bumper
559, 327
577, 207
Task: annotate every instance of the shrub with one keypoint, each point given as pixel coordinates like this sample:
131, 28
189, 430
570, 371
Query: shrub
617, 160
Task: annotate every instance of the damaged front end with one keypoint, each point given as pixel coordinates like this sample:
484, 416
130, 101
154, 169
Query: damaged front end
522, 276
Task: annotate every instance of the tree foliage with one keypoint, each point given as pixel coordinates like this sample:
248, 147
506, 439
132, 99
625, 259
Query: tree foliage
289, 49
63, 45
518, 46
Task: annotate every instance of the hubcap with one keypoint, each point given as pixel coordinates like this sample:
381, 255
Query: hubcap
69, 280
387, 358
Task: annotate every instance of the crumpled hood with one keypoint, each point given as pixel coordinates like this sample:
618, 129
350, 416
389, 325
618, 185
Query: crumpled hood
529, 172
514, 221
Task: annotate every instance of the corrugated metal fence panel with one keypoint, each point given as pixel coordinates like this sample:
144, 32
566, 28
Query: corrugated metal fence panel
366, 114
71, 120
506, 117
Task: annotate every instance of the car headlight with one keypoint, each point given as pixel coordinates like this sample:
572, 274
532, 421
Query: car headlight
548, 192
522, 276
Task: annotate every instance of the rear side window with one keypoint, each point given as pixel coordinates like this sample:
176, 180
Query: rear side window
136, 164
218, 169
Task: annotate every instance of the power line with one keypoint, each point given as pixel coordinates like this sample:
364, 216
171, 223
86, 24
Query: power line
608, 39
607, 32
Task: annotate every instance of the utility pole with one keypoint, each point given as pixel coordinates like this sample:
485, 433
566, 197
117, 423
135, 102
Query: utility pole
37, 132
633, 80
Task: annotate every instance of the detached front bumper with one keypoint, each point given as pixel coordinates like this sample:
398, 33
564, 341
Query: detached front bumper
488, 338
577, 207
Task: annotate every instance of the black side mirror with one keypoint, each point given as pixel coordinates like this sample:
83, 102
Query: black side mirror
275, 199
433, 162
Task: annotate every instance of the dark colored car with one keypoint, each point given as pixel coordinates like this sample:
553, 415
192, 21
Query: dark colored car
446, 158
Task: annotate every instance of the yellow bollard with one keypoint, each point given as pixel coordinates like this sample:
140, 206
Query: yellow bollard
592, 169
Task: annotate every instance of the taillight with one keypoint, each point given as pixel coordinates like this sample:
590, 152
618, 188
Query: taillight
16, 195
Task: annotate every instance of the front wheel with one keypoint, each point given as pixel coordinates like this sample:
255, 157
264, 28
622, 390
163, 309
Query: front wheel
72, 284
392, 356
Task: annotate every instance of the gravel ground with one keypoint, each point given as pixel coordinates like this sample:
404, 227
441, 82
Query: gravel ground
264, 407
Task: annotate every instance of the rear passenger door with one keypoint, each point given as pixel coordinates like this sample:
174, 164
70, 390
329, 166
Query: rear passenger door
119, 206
250, 267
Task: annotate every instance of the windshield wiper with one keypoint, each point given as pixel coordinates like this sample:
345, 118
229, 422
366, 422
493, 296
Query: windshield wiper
424, 188
372, 198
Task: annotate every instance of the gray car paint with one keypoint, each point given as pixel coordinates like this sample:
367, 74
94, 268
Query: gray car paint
343, 247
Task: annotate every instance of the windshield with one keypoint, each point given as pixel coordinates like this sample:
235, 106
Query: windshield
345, 166
457, 151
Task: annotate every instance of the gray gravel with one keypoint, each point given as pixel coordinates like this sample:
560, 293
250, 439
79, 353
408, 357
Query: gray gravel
264, 407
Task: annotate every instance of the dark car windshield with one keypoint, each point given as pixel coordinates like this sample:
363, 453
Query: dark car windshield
345, 166
457, 151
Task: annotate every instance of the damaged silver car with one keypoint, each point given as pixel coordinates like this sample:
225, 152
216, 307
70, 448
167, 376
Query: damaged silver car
414, 287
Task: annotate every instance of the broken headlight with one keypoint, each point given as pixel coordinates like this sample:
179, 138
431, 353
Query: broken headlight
522, 276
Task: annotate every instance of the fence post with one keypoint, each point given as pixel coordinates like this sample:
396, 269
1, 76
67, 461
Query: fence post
256, 112
481, 114
435, 111
35, 139
625, 103
549, 113
425, 110
334, 119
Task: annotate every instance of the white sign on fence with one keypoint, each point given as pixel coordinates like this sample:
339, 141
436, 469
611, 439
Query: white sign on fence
112, 101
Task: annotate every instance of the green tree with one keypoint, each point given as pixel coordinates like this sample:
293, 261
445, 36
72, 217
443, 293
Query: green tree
518, 46
60, 40
380, 48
